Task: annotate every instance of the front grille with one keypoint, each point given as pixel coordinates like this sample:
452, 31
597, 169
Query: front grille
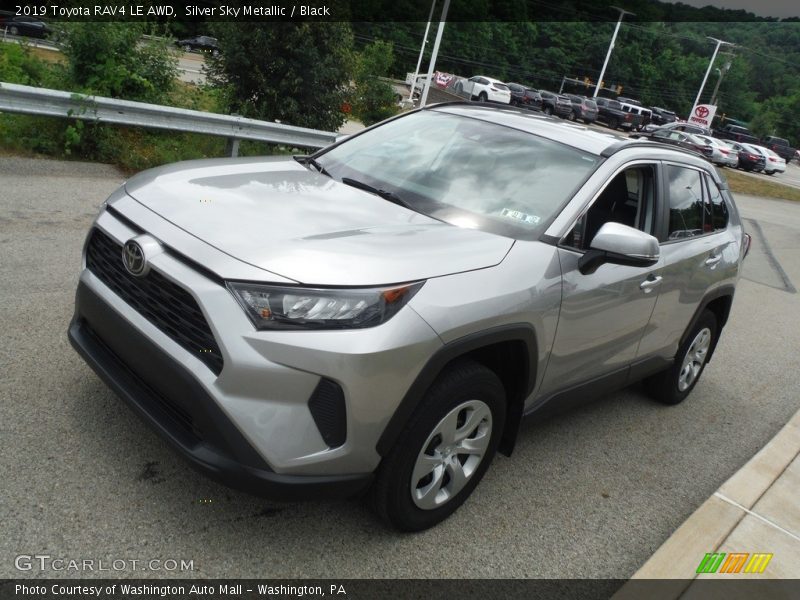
166, 305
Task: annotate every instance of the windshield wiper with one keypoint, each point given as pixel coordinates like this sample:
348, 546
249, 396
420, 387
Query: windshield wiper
385, 194
309, 160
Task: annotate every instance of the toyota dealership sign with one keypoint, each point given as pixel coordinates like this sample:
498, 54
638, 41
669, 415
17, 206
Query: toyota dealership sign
703, 114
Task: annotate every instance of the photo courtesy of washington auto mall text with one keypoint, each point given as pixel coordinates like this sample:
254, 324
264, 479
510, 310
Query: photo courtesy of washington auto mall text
399, 299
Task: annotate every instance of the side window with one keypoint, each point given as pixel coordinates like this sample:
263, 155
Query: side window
689, 210
628, 199
719, 210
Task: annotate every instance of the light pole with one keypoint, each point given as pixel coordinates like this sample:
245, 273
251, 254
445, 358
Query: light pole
710, 64
435, 53
622, 13
421, 52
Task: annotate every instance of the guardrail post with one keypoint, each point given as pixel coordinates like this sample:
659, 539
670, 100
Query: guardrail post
232, 147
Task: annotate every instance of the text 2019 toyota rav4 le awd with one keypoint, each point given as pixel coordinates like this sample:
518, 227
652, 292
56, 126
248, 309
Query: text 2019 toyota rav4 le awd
379, 316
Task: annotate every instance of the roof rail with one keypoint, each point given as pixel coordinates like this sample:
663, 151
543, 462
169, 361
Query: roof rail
617, 146
491, 105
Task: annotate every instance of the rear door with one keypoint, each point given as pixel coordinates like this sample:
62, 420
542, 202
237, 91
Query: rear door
698, 252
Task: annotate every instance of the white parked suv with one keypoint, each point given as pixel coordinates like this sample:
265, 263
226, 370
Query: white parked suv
484, 89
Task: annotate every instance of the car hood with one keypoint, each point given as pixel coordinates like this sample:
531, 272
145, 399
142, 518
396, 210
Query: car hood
275, 214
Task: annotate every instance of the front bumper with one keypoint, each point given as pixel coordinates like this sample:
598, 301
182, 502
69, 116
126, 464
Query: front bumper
169, 399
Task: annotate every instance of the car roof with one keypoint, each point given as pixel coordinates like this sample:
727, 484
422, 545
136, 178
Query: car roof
577, 136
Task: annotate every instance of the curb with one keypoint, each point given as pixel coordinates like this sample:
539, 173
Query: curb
711, 524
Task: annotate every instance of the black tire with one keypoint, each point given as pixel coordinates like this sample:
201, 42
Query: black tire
482, 97
571, 116
547, 110
187, 48
13, 30
613, 123
215, 52
391, 494
666, 385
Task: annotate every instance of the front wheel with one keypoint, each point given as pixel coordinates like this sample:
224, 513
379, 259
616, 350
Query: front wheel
187, 48
613, 123
13, 30
672, 385
571, 116
548, 111
444, 451
483, 97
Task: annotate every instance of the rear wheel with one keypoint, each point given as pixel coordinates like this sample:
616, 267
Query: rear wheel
571, 116
13, 30
444, 451
187, 48
672, 385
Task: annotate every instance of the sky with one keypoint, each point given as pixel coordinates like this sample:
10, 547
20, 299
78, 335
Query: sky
762, 8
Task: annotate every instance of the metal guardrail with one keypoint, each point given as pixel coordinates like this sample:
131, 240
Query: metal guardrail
28, 100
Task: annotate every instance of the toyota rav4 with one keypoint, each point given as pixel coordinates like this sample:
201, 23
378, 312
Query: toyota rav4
379, 316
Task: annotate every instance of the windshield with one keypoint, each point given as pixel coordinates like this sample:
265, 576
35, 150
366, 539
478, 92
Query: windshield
465, 171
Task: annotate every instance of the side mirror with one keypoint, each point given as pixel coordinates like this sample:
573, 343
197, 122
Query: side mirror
620, 245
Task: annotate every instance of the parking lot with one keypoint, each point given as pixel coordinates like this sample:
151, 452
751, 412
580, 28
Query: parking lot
588, 494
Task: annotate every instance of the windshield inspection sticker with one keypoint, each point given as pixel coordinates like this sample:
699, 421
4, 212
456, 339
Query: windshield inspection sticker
520, 216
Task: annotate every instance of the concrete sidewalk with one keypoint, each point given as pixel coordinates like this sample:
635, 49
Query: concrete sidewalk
755, 511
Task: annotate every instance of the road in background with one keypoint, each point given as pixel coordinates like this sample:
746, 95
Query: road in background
590, 493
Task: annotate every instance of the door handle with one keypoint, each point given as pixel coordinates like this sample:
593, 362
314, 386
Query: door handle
651, 282
713, 259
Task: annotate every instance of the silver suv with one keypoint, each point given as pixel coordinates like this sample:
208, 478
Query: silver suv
378, 317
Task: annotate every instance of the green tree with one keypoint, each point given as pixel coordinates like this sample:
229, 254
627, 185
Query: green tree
109, 59
374, 99
297, 73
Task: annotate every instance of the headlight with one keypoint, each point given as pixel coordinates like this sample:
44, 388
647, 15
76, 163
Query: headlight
277, 307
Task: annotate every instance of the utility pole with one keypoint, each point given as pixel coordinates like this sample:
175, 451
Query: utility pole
622, 13
710, 64
421, 52
726, 67
435, 53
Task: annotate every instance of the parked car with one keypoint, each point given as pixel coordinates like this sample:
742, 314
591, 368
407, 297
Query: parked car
772, 162
662, 116
583, 108
678, 138
722, 154
346, 321
525, 96
750, 159
779, 146
634, 106
555, 104
26, 26
679, 126
735, 133
484, 89
202, 43
610, 113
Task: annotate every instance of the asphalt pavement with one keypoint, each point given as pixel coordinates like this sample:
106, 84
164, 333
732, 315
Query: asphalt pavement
588, 494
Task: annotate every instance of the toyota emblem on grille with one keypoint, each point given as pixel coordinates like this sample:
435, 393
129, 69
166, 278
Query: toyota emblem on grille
133, 258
